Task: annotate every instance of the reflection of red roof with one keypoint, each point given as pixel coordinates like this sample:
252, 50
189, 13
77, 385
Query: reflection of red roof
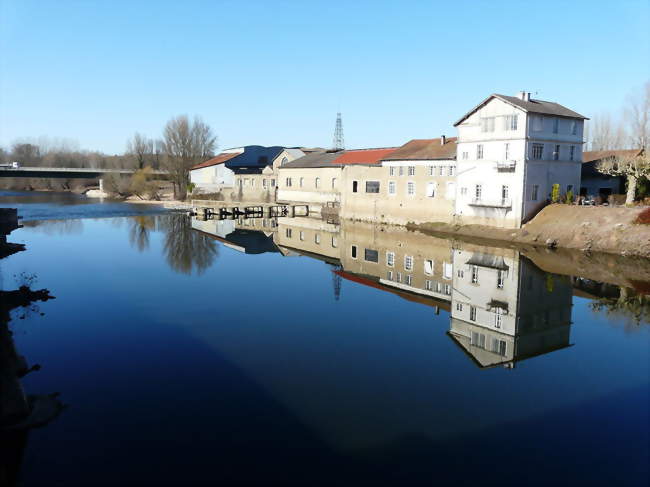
220, 159
429, 301
363, 156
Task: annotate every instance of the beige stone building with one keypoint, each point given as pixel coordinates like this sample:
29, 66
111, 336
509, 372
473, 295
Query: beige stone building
414, 183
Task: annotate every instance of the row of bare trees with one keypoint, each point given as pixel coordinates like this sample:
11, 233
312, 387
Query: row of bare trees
631, 131
184, 142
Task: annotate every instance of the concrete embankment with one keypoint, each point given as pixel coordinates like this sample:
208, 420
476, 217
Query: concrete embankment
594, 229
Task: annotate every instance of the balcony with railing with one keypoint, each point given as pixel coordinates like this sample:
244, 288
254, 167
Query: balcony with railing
506, 165
499, 203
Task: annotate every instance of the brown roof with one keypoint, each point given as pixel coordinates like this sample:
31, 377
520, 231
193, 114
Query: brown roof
532, 106
363, 156
425, 149
598, 155
220, 159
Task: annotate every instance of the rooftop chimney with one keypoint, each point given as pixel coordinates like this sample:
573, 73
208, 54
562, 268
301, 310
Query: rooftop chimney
524, 95
443, 139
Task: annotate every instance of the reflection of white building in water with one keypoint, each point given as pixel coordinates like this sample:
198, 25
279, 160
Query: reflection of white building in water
504, 309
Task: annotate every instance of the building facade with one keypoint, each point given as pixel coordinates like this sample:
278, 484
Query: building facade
511, 152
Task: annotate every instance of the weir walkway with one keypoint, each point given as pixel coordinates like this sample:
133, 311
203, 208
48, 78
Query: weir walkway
228, 210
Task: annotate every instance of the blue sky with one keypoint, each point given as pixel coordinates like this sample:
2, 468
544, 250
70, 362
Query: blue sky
265, 72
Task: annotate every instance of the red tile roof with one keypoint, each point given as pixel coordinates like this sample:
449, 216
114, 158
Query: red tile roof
589, 156
220, 159
363, 156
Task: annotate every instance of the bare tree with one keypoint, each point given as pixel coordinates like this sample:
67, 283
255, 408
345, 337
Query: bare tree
140, 148
633, 167
606, 134
185, 144
637, 117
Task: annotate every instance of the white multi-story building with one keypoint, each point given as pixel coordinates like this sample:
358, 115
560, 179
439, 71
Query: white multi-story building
511, 151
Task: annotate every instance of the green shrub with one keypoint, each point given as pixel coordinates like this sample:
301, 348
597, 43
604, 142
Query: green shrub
555, 193
569, 198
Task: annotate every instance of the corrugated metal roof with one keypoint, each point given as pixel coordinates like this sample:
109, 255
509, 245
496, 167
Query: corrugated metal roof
532, 106
425, 149
316, 159
219, 159
598, 155
253, 156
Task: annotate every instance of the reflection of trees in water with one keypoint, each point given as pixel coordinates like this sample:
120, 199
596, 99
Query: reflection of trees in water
139, 229
56, 227
629, 308
185, 249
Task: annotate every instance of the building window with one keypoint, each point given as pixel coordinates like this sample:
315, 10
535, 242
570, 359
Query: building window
284, 161
499, 346
392, 187
474, 274
510, 122
411, 171
479, 151
556, 153
252, 182
538, 152
265, 183
538, 123
478, 191
399, 277
487, 124
273, 183
301, 182
500, 279
447, 289
409, 279
506, 151
287, 232
432, 170
371, 255
353, 251
572, 153
401, 170
463, 191
428, 267
335, 242
459, 307
408, 262
410, 188
389, 275
372, 186
447, 270
472, 314
390, 259
465, 155
505, 193
246, 182
317, 239
355, 186
391, 171
460, 273
288, 182
431, 190
533, 194
497, 320
441, 170
317, 183
556, 125
451, 170
333, 183
574, 127
428, 285
302, 235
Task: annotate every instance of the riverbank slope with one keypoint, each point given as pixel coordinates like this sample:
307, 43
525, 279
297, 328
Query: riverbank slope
588, 228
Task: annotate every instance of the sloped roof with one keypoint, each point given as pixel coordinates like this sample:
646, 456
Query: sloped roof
590, 156
219, 159
315, 159
532, 106
425, 149
363, 156
255, 156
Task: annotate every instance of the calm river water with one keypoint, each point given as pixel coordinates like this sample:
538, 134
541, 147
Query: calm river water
301, 352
